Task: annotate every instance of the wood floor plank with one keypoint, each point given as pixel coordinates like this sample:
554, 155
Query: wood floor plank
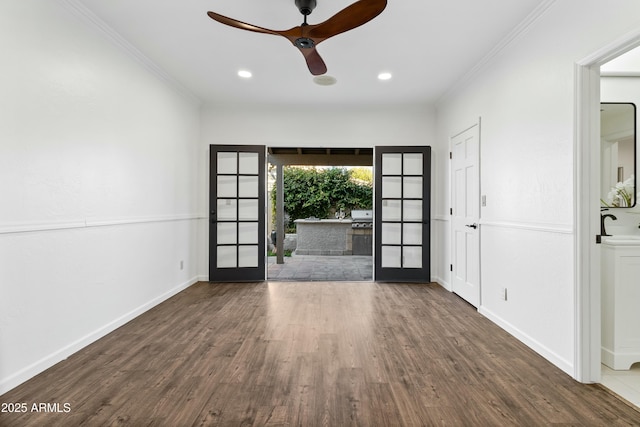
313, 354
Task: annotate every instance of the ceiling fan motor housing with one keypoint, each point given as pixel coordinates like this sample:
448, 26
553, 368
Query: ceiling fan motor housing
306, 6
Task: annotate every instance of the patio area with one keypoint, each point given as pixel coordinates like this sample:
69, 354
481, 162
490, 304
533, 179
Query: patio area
321, 268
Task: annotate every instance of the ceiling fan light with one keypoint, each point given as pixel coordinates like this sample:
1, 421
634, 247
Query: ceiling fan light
245, 74
325, 80
384, 76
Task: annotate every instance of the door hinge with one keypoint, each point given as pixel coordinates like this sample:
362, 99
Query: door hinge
450, 211
450, 155
451, 267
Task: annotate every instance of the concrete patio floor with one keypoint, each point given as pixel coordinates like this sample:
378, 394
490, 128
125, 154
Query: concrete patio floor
321, 268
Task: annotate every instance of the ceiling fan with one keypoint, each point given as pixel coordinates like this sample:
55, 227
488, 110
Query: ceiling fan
306, 36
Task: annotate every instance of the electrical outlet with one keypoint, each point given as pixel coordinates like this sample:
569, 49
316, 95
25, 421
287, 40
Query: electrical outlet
181, 265
503, 294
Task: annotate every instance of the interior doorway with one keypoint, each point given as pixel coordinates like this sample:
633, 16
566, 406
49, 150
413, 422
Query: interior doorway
588, 216
321, 229
619, 96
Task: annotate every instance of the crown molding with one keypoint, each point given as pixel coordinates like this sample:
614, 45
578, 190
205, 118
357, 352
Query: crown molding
510, 39
81, 11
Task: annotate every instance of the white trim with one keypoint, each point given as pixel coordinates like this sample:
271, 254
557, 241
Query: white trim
87, 223
535, 345
80, 10
440, 281
461, 132
71, 348
518, 32
587, 285
620, 46
542, 228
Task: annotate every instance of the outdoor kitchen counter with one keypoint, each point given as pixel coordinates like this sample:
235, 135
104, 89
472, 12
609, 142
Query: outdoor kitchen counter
324, 237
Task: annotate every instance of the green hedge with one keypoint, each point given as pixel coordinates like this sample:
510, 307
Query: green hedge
320, 193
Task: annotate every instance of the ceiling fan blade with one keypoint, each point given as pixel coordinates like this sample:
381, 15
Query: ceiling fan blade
239, 24
314, 61
350, 17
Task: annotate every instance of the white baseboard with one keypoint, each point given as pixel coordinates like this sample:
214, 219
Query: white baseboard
440, 281
535, 345
41, 365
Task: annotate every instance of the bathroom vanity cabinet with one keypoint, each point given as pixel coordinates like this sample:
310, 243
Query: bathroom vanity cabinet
620, 302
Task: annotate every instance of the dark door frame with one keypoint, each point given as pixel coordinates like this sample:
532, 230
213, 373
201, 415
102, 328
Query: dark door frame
403, 274
237, 274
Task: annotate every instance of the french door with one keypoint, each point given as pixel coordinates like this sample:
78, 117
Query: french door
402, 213
237, 213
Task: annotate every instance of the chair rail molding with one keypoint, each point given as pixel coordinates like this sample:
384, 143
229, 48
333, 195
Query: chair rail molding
31, 227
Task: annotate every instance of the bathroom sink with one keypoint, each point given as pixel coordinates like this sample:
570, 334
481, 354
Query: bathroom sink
622, 239
625, 230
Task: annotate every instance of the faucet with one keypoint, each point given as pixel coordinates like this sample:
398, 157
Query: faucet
603, 231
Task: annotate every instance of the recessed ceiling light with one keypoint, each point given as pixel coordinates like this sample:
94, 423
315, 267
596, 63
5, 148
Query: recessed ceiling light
245, 74
384, 76
325, 80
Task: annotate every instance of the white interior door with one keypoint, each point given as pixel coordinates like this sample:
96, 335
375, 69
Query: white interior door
465, 215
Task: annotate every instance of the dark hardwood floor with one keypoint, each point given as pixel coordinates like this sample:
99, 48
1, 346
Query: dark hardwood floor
312, 354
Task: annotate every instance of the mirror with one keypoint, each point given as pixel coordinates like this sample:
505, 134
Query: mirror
618, 154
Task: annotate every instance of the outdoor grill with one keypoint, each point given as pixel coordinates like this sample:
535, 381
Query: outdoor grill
361, 219
362, 232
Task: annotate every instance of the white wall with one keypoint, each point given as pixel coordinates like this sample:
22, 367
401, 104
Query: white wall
525, 97
625, 89
98, 187
319, 126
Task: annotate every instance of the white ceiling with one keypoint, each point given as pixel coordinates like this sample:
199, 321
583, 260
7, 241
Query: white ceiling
428, 45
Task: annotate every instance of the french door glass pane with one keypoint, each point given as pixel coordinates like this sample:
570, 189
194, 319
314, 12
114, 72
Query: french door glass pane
391, 257
227, 163
249, 163
391, 187
227, 186
411, 233
391, 233
226, 233
248, 209
391, 164
412, 210
248, 186
412, 187
412, 256
248, 256
227, 209
391, 210
248, 232
412, 164
226, 257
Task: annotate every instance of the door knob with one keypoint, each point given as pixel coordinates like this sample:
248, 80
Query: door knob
474, 225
